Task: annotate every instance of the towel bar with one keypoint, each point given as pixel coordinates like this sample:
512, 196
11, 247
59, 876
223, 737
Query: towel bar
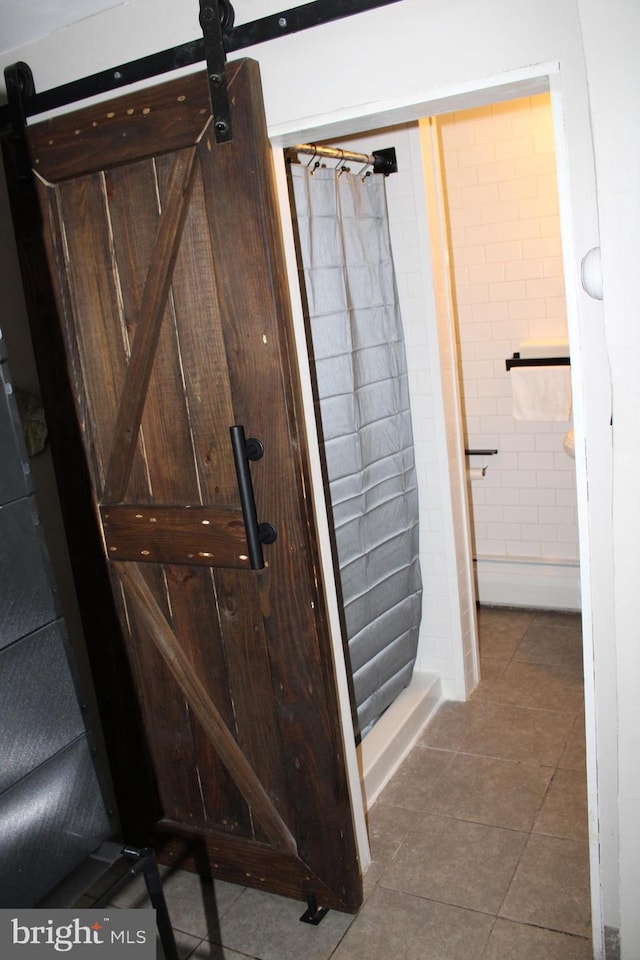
517, 361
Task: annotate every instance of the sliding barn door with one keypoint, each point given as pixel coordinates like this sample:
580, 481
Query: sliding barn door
171, 294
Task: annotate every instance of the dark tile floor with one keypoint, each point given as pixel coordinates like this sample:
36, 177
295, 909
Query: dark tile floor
479, 842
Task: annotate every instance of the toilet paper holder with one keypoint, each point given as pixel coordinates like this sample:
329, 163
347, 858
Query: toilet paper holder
478, 473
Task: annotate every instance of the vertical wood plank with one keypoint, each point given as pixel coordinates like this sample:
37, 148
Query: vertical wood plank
134, 215
95, 312
186, 596
152, 310
251, 685
168, 730
196, 621
203, 353
258, 330
204, 708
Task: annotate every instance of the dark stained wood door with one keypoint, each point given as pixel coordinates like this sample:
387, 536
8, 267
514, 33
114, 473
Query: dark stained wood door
171, 293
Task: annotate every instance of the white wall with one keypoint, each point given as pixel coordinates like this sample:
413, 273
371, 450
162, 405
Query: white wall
611, 33
415, 58
501, 192
505, 236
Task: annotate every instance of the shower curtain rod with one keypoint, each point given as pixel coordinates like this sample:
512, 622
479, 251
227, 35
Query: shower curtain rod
382, 161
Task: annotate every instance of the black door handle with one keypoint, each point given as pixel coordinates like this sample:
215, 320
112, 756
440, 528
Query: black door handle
257, 533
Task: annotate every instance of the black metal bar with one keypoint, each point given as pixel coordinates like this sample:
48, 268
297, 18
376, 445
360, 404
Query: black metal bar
158, 902
216, 72
257, 533
144, 861
299, 18
19, 82
517, 361
186, 54
385, 161
480, 453
313, 914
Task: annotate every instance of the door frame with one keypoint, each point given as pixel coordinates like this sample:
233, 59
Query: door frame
540, 78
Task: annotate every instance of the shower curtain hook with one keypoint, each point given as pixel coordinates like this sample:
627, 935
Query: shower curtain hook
340, 165
317, 162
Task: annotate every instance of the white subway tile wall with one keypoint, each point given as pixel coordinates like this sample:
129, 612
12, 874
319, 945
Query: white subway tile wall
501, 194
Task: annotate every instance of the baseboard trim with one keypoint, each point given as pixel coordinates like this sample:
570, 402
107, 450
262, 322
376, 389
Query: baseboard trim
391, 738
527, 582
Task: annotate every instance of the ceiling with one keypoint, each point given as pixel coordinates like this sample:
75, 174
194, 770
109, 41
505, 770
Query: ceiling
22, 21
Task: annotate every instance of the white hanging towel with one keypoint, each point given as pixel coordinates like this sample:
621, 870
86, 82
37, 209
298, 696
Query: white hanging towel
542, 393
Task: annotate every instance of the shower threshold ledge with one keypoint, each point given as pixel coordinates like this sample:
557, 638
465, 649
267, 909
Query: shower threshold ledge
389, 741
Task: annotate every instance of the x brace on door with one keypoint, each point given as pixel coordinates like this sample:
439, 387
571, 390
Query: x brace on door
219, 38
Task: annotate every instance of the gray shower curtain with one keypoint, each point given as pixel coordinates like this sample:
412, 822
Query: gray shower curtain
363, 396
